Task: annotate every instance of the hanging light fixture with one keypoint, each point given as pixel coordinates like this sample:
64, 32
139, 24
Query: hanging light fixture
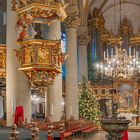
120, 62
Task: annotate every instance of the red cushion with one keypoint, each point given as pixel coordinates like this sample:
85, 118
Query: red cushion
88, 130
67, 134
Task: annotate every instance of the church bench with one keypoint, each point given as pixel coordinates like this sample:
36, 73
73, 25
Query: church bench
42, 125
74, 127
88, 128
2, 122
67, 134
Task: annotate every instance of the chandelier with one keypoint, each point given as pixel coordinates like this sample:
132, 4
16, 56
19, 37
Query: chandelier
120, 64
120, 61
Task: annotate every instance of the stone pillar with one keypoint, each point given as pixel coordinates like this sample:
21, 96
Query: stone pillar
55, 90
17, 86
83, 40
71, 24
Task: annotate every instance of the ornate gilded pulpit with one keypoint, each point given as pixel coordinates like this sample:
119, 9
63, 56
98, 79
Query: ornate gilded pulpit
40, 59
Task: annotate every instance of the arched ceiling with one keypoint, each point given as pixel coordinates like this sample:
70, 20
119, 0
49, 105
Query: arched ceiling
130, 10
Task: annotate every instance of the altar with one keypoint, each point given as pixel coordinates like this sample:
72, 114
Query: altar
127, 96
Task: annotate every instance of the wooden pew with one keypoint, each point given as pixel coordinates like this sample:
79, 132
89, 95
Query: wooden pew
2, 122
73, 127
88, 128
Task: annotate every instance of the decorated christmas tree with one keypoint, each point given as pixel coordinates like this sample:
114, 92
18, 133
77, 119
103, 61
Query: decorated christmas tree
88, 104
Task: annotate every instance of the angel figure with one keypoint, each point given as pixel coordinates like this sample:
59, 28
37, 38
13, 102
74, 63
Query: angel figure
30, 29
21, 28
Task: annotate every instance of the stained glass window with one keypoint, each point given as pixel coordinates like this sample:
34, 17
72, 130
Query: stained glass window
63, 42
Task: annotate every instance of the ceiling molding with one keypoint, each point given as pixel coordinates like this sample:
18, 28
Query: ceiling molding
124, 2
103, 4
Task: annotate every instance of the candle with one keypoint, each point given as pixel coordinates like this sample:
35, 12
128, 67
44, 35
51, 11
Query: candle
107, 54
130, 50
111, 51
134, 52
116, 50
104, 55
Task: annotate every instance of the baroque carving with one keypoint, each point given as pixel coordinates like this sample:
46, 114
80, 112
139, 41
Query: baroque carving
97, 19
42, 11
125, 28
2, 62
72, 21
83, 40
17, 4
24, 27
40, 60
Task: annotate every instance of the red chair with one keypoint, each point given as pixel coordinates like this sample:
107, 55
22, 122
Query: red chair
19, 115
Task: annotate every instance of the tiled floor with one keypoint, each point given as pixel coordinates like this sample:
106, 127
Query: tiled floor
101, 136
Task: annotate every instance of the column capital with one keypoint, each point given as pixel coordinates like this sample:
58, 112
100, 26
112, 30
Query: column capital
72, 20
83, 37
96, 19
83, 40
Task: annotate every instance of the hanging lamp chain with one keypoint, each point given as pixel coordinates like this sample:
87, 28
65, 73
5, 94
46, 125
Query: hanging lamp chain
114, 16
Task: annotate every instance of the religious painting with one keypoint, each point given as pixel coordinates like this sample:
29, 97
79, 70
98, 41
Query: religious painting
44, 55
126, 95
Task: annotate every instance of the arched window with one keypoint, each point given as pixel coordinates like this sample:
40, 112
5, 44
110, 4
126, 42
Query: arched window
63, 42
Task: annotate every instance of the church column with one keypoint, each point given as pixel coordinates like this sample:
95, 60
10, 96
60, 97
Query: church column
71, 24
54, 91
17, 86
83, 40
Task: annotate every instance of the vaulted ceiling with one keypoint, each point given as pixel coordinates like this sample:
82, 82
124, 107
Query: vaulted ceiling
130, 10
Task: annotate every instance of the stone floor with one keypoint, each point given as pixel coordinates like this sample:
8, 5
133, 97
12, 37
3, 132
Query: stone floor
101, 136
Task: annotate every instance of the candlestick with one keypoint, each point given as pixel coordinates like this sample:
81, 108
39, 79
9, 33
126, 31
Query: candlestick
130, 50
104, 55
111, 51
134, 52
107, 54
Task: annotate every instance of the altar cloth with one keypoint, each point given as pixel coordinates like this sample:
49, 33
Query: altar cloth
19, 115
125, 135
